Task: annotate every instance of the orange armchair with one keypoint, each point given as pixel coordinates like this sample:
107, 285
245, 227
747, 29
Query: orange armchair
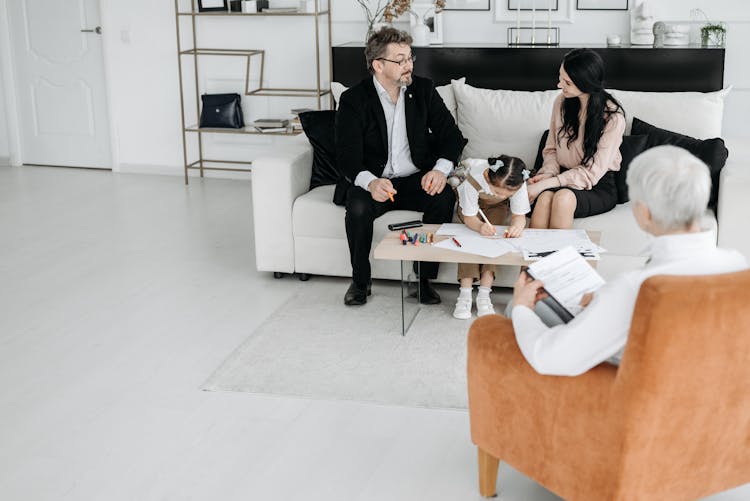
673, 422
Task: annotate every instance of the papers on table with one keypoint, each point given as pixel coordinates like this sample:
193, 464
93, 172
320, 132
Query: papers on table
566, 277
534, 244
475, 244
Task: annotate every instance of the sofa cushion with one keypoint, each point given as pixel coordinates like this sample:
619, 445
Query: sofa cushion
712, 151
696, 114
319, 129
445, 91
502, 121
631, 147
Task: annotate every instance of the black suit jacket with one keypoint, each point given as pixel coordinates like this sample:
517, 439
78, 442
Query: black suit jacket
362, 136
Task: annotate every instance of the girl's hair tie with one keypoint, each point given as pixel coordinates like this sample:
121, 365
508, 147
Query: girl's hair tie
495, 163
526, 174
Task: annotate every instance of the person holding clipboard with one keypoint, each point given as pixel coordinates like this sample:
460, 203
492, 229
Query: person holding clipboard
493, 190
669, 189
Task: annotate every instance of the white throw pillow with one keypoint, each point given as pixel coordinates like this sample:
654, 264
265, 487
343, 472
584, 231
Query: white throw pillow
445, 91
695, 114
336, 90
509, 122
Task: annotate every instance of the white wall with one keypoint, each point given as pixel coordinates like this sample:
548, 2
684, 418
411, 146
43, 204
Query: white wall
141, 65
4, 146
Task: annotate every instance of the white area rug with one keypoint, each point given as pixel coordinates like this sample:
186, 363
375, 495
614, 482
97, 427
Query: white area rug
313, 346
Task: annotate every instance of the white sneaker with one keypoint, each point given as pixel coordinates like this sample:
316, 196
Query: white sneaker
484, 306
463, 308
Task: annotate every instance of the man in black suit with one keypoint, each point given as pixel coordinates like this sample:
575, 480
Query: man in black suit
396, 143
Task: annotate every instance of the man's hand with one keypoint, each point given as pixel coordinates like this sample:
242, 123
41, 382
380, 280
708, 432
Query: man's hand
526, 292
380, 189
586, 299
433, 182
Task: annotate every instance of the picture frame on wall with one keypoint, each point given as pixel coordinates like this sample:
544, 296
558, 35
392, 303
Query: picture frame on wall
212, 5
601, 4
425, 13
537, 5
467, 5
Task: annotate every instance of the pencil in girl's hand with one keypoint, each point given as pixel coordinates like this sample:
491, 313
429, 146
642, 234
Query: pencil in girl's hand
487, 220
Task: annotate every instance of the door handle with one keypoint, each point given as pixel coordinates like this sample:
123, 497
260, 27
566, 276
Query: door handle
97, 30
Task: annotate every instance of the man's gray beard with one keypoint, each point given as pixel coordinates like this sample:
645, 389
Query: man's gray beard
405, 80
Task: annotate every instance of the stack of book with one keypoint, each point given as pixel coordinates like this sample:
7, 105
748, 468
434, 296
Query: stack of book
271, 124
295, 122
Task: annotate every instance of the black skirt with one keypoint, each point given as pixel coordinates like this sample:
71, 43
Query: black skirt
598, 200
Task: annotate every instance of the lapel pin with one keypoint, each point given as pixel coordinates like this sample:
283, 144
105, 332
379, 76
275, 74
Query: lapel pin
410, 96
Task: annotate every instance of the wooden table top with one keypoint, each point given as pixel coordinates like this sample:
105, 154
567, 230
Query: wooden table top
391, 248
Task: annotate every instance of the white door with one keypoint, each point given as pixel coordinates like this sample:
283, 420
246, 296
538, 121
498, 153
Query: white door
60, 82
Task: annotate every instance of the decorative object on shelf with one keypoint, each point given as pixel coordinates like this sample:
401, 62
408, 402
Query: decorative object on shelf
534, 37
426, 23
249, 6
378, 12
641, 23
713, 35
614, 40
221, 111
673, 34
467, 5
602, 4
212, 5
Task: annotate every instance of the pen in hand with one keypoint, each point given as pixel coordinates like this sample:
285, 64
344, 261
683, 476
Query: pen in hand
481, 213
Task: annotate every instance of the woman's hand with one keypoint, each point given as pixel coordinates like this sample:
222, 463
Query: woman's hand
526, 292
549, 181
487, 230
539, 177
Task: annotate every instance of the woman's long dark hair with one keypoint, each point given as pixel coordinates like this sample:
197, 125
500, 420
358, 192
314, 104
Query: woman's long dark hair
586, 69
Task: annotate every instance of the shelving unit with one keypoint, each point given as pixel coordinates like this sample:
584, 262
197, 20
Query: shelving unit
250, 55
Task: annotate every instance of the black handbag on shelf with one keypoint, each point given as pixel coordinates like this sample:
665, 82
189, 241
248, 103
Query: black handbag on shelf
221, 110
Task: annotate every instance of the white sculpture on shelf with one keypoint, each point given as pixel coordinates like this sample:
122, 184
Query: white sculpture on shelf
641, 23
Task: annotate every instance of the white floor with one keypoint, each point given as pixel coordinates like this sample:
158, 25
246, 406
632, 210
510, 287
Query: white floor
119, 295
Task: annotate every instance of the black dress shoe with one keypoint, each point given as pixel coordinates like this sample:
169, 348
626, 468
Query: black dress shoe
356, 296
428, 293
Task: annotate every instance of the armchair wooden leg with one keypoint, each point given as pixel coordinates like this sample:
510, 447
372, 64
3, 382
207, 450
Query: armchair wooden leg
488, 466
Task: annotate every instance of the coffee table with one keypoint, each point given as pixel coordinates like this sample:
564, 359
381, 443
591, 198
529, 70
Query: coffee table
391, 248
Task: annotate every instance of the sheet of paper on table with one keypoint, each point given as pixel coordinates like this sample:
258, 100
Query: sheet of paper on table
475, 244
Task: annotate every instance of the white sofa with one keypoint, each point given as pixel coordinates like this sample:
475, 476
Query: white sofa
298, 230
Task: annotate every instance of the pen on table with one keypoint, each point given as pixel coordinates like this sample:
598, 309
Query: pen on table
456, 241
390, 195
487, 220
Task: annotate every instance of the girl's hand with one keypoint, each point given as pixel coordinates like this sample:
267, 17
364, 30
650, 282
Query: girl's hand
539, 177
487, 230
513, 231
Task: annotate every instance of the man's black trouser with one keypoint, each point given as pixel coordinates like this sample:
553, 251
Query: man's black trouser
362, 210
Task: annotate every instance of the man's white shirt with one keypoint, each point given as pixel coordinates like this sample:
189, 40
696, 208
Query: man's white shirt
600, 331
399, 162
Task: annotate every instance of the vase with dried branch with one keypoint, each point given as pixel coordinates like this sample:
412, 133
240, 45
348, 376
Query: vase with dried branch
380, 11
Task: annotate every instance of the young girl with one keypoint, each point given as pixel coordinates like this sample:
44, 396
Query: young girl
493, 186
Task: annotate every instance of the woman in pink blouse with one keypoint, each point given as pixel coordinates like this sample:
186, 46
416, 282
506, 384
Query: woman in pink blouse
583, 147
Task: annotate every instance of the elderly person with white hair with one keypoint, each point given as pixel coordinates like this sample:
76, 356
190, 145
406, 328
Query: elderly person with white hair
669, 189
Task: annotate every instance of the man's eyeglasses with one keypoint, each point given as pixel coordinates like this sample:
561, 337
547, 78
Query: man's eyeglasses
401, 62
